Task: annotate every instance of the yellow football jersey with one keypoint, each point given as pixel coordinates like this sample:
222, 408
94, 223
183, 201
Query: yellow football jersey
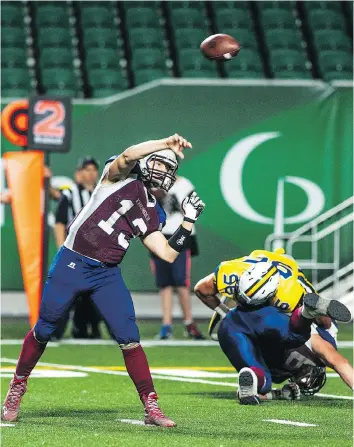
292, 282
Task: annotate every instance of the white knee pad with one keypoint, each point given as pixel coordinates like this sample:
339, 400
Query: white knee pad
129, 345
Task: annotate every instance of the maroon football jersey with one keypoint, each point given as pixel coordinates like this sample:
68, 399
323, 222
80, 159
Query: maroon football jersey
116, 213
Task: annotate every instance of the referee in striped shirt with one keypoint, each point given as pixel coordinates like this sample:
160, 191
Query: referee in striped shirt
71, 202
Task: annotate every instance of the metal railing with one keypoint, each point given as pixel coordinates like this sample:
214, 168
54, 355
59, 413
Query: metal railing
333, 222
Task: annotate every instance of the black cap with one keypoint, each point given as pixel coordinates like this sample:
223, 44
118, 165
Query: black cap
85, 161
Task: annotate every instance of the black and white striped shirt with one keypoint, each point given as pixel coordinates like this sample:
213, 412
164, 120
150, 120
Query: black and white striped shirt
71, 202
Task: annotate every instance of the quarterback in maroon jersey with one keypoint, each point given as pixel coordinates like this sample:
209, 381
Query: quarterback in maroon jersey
121, 208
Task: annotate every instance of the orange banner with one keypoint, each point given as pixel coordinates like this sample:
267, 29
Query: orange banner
24, 173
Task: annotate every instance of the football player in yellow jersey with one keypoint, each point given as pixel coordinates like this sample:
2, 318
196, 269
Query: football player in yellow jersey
265, 286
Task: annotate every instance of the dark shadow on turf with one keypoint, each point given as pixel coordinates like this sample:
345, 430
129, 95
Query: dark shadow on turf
64, 412
305, 400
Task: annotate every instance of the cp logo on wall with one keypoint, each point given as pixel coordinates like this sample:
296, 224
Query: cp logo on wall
231, 183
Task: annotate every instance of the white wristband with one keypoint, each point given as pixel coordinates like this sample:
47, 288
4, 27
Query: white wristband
221, 312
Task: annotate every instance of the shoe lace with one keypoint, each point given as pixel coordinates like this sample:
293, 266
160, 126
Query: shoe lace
17, 390
154, 408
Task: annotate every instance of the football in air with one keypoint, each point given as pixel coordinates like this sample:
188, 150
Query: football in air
221, 47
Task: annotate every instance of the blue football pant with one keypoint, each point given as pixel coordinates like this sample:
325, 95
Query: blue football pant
246, 337
71, 274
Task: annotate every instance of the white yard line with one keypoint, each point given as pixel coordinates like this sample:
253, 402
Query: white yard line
285, 422
145, 343
7, 425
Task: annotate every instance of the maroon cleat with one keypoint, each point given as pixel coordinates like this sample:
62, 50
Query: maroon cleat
153, 414
193, 332
12, 402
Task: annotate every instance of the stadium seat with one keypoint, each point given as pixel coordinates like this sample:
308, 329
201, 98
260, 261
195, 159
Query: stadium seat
51, 15
222, 5
102, 58
107, 5
104, 78
145, 37
12, 37
245, 74
325, 19
13, 57
70, 92
197, 73
233, 19
338, 76
275, 5
48, 38
334, 60
96, 16
186, 5
188, 18
100, 38
190, 59
324, 5
133, 4
325, 39
248, 61
148, 58
189, 38
141, 17
56, 57
143, 76
245, 37
14, 92
278, 18
15, 78
105, 92
292, 74
288, 60
58, 78
284, 38
11, 14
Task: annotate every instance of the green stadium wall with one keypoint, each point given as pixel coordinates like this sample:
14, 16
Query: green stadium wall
246, 138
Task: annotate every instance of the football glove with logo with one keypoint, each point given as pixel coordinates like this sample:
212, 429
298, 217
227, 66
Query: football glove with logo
192, 207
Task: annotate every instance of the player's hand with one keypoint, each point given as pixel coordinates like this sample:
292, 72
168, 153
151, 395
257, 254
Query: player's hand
192, 207
177, 144
291, 391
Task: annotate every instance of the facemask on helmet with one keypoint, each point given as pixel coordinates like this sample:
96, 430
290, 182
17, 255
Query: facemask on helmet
257, 284
153, 175
310, 379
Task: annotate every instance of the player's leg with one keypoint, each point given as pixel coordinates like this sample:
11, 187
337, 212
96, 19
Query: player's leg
162, 271
115, 304
254, 376
316, 306
57, 297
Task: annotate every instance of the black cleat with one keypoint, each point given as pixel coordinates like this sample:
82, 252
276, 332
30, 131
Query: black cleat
316, 306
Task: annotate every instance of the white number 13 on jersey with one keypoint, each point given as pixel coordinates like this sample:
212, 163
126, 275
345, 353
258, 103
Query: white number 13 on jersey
107, 225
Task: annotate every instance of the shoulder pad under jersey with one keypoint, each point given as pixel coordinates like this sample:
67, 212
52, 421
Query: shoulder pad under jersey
161, 213
111, 159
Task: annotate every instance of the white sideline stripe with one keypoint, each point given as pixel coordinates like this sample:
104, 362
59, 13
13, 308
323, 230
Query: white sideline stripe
334, 396
144, 343
155, 376
285, 422
7, 425
123, 373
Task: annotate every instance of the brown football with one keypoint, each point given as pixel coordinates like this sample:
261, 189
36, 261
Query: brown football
220, 47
